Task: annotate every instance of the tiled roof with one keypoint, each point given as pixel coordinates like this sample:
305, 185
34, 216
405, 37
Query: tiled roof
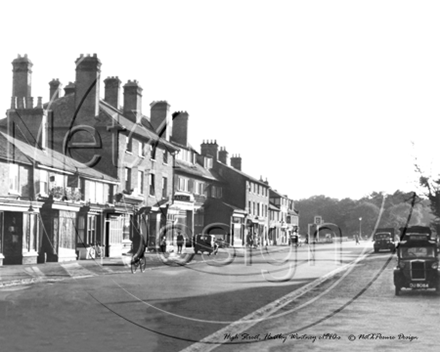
193, 169
243, 174
137, 128
49, 158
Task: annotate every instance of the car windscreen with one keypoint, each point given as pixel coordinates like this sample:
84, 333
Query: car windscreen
417, 252
382, 236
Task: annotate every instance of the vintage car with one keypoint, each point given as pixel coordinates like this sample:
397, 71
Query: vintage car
417, 260
205, 243
384, 240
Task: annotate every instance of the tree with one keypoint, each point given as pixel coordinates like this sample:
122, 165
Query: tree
431, 186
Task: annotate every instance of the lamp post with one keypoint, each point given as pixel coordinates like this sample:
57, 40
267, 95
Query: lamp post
360, 228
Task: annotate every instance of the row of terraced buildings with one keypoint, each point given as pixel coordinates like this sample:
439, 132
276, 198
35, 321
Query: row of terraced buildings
80, 171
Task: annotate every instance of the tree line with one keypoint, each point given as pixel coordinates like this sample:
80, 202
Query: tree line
376, 210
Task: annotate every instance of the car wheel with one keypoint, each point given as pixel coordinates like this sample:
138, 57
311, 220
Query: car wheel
397, 290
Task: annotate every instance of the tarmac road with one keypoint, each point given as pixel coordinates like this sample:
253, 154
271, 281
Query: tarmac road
169, 307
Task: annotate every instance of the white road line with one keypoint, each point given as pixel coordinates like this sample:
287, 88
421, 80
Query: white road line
77, 271
214, 340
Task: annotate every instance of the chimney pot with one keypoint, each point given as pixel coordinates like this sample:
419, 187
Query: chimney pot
133, 101
180, 128
112, 91
160, 118
55, 89
88, 70
236, 162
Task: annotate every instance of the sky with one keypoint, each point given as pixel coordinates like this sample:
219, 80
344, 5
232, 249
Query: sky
320, 97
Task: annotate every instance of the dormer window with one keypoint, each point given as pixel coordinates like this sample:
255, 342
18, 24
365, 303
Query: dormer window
208, 163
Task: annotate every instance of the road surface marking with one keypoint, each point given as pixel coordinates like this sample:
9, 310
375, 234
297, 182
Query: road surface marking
216, 339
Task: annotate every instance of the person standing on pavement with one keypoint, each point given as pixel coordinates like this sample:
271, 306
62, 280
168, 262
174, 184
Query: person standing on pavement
356, 236
180, 241
163, 244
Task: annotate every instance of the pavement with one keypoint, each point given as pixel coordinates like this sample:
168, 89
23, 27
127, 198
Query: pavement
12, 275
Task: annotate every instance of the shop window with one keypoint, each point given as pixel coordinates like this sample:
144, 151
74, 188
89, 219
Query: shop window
91, 229
80, 229
30, 230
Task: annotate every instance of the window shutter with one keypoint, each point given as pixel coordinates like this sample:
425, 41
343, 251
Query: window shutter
190, 186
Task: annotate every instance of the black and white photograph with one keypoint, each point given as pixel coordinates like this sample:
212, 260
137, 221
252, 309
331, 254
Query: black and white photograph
228, 176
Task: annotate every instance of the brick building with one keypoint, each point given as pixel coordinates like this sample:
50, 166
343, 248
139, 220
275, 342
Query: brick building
283, 219
112, 138
43, 212
244, 204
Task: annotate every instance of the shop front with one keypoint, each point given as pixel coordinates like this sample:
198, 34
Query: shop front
19, 232
90, 232
237, 235
59, 232
180, 218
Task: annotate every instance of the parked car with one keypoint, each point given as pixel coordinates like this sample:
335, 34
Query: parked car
417, 260
205, 243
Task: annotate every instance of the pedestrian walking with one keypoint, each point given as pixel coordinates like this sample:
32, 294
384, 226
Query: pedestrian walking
180, 241
163, 244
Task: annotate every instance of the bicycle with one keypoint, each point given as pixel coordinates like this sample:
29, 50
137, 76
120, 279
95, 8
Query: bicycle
138, 263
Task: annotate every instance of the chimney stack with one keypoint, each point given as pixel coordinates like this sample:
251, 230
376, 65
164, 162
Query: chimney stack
69, 89
223, 156
209, 148
55, 89
160, 119
88, 71
112, 91
133, 101
180, 128
22, 79
236, 162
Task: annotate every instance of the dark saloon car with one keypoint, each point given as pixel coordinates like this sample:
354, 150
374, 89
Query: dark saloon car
417, 260
384, 240
205, 243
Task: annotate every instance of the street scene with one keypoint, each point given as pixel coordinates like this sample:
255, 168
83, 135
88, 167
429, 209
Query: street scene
280, 300
193, 176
